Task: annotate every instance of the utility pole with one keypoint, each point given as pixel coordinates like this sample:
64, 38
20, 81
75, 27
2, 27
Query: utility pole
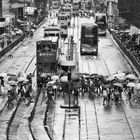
0, 8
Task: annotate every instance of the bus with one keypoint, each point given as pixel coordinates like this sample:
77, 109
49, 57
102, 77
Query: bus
89, 39
46, 56
52, 30
101, 21
76, 7
55, 4
63, 21
67, 10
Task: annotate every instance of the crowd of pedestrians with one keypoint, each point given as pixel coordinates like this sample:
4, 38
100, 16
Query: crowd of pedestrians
110, 88
17, 88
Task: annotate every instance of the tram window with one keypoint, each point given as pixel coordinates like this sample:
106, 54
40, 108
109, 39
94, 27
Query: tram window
51, 34
38, 46
57, 35
46, 67
53, 46
89, 31
53, 67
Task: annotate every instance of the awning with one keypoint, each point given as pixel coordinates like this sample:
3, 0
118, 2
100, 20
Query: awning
131, 18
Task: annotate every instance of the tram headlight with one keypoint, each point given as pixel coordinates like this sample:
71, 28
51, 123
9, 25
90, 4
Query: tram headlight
83, 50
94, 50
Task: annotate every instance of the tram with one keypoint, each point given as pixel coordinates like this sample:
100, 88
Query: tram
89, 39
52, 30
101, 21
46, 56
63, 21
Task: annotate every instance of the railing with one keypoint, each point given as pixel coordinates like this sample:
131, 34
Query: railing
11, 46
127, 52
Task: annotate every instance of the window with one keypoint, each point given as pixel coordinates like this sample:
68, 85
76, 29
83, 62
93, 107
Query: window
53, 67
46, 67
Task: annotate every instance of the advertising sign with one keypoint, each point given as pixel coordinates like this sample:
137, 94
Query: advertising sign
30, 10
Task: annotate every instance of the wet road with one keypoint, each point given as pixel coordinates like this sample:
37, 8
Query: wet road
93, 121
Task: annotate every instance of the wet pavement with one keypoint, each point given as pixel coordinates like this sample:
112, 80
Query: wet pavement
93, 121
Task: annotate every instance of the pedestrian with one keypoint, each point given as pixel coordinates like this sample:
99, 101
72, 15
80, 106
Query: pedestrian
129, 93
104, 96
2, 81
75, 90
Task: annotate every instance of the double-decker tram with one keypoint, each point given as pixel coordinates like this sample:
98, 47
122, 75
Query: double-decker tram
89, 39
63, 21
46, 56
101, 21
52, 30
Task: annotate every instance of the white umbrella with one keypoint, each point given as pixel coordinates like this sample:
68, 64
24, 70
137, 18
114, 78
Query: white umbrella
131, 76
131, 84
137, 86
12, 82
21, 78
55, 77
64, 79
50, 83
110, 78
16, 29
43, 75
3, 74
118, 85
32, 30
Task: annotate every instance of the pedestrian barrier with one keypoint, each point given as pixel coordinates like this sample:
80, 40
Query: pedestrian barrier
11, 46
127, 52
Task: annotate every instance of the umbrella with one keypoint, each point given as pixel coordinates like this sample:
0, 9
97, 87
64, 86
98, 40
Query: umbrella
43, 75
118, 85
64, 79
21, 78
32, 30
50, 83
93, 74
60, 72
75, 77
7, 87
3, 74
119, 74
16, 29
110, 78
13, 78
55, 77
137, 86
130, 76
86, 76
131, 84
11, 83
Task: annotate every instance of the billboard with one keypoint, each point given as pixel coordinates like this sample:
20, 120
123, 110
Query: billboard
30, 10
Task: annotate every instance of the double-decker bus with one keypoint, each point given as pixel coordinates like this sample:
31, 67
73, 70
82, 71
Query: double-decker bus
55, 4
52, 30
101, 21
46, 56
63, 21
67, 10
89, 39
